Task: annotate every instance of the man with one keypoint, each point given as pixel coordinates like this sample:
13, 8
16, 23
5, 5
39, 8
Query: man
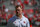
18, 20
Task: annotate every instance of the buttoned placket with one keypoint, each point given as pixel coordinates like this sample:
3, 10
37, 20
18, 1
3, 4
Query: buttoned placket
20, 21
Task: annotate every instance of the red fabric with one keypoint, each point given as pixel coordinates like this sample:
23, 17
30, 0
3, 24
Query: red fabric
30, 19
10, 15
7, 20
26, 2
34, 16
28, 11
0, 15
33, 2
31, 10
3, 6
4, 16
22, 5
38, 18
18, 0
26, 15
30, 25
24, 11
36, 12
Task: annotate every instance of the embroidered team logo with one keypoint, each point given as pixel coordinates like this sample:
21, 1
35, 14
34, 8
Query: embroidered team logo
16, 23
24, 22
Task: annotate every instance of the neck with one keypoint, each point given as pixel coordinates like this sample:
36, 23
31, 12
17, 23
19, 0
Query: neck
20, 16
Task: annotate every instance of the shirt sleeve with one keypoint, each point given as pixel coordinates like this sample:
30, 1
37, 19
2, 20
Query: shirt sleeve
10, 24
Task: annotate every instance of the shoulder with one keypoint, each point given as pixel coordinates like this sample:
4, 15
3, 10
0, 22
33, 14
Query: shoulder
25, 18
12, 19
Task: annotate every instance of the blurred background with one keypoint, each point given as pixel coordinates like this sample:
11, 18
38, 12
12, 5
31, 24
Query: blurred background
31, 10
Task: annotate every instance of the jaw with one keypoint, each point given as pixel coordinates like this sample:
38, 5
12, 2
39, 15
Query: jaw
18, 14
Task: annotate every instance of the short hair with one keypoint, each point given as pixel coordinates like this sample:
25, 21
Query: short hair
18, 6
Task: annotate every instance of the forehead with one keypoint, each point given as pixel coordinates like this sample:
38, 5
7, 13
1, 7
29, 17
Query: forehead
18, 7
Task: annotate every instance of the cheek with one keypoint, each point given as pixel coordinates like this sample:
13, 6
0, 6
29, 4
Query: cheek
20, 11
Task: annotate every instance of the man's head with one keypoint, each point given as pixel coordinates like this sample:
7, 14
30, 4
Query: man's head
18, 10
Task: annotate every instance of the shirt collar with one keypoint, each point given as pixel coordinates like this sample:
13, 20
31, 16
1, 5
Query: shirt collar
18, 17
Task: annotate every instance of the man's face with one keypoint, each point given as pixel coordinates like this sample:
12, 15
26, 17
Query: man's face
18, 11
